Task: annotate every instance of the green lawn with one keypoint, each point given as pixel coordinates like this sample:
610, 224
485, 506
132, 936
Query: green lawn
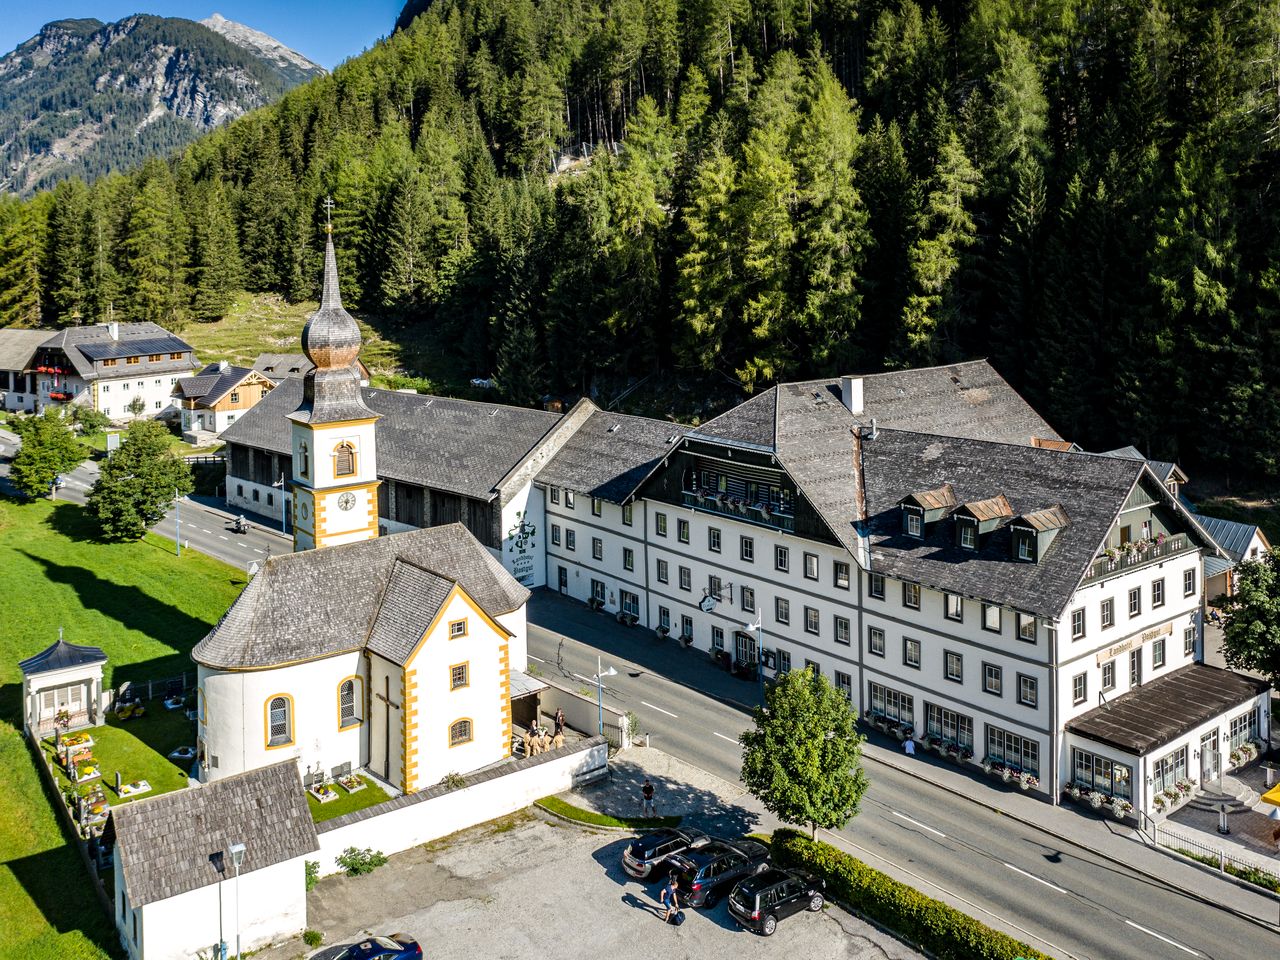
139, 750
370, 796
146, 609
591, 818
266, 323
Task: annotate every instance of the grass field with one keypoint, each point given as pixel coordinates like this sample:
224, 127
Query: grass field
371, 795
146, 609
266, 323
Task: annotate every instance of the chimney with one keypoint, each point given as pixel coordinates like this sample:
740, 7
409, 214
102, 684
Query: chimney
851, 394
222, 366
113, 330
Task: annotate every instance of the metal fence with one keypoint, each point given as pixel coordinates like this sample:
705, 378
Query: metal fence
150, 689
1212, 855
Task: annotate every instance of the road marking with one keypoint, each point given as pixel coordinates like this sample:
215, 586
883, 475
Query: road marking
220, 537
532, 657
1032, 876
1158, 936
723, 737
645, 703
1062, 951
256, 550
903, 816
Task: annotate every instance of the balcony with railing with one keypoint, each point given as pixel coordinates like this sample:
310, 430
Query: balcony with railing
1117, 560
765, 513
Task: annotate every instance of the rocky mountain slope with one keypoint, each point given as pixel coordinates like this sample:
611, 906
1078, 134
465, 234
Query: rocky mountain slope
85, 98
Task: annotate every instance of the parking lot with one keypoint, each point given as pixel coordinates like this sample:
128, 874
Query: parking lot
531, 887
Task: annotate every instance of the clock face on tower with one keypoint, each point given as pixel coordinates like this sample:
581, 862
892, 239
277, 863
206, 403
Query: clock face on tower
346, 501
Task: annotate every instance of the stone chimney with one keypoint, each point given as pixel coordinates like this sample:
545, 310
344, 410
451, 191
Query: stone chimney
851, 394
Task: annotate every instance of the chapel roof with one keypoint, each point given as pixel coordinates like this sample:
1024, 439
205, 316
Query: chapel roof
170, 845
59, 656
318, 603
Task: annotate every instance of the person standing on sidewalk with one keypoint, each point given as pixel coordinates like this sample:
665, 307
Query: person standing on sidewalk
648, 806
909, 746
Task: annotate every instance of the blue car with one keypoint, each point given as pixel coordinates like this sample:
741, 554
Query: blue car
398, 946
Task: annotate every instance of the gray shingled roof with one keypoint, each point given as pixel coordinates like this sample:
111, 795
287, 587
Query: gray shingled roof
412, 599
1161, 710
457, 446
1232, 537
136, 335
1091, 491
164, 843
59, 656
278, 366
304, 606
958, 400
212, 383
610, 455
18, 347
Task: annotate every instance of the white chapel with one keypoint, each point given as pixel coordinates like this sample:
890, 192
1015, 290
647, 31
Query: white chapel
391, 654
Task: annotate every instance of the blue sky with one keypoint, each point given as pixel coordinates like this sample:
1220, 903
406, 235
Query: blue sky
326, 31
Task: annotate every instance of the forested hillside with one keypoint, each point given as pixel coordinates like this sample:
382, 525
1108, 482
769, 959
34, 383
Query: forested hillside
1082, 190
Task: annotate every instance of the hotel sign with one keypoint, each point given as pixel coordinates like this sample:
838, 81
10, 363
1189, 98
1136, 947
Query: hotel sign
1137, 640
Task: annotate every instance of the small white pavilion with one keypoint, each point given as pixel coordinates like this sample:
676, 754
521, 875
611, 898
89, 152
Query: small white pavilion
64, 676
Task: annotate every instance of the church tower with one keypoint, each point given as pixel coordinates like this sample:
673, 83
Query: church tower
335, 479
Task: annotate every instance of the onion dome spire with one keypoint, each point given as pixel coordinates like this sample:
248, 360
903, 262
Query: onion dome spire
331, 341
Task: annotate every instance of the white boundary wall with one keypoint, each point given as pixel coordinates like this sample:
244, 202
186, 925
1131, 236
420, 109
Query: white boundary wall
419, 818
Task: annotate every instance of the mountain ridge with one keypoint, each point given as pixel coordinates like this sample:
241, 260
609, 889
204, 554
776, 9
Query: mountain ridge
83, 97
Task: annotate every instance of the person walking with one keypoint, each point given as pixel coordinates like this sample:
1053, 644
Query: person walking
669, 897
648, 805
559, 721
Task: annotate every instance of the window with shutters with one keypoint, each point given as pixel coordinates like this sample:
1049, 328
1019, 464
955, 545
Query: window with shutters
344, 460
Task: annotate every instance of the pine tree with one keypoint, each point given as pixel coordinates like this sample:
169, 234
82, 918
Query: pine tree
706, 280
215, 257
832, 222
69, 253
944, 227
154, 252
22, 253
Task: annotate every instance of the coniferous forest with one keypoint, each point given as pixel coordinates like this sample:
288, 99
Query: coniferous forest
1084, 191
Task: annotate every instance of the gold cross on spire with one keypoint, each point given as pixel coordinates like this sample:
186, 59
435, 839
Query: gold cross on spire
328, 214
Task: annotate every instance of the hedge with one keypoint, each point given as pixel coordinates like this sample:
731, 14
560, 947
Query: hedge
941, 930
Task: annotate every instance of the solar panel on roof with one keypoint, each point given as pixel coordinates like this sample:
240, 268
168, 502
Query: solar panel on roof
115, 349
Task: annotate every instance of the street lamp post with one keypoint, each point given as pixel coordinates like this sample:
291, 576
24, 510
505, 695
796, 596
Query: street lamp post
283, 513
177, 522
601, 673
757, 627
237, 858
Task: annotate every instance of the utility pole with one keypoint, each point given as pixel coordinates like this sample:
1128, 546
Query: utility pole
177, 522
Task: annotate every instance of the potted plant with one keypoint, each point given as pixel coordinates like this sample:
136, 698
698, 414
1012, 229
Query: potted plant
1120, 807
1159, 803
1006, 774
1026, 780
966, 754
662, 632
62, 719
1097, 799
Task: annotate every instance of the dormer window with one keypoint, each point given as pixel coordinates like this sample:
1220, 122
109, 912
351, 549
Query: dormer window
1034, 532
1026, 546
966, 533
914, 523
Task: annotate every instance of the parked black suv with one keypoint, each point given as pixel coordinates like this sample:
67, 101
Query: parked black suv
759, 902
646, 853
705, 873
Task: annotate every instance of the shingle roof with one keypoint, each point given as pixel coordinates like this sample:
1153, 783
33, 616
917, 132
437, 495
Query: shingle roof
304, 606
165, 843
59, 656
78, 343
457, 446
753, 422
1050, 518
278, 366
212, 383
1164, 709
412, 598
1090, 490
1232, 537
18, 347
609, 455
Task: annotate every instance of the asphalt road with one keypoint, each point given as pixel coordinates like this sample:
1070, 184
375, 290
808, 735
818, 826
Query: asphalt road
205, 527
1062, 899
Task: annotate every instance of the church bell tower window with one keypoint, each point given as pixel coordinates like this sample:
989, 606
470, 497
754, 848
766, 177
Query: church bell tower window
304, 460
344, 460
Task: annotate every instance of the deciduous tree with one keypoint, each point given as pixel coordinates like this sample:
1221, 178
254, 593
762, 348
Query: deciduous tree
48, 450
137, 483
1251, 635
